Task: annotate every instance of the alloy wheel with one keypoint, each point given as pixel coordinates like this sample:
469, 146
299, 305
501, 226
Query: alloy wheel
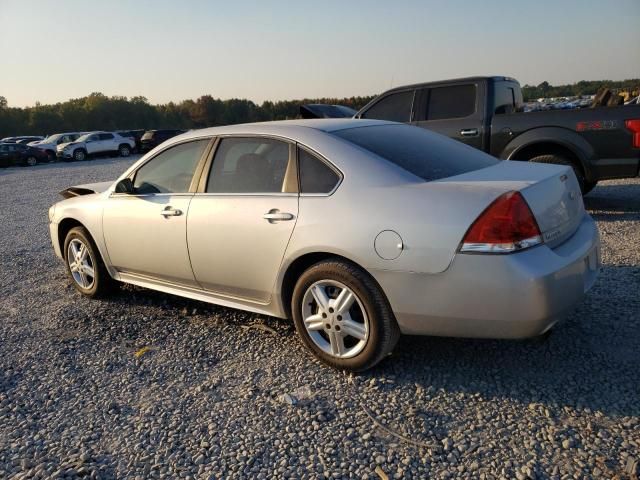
335, 319
32, 161
80, 263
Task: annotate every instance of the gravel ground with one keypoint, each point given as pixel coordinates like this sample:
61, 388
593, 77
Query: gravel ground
207, 399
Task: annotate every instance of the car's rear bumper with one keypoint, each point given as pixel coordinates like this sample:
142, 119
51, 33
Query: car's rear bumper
497, 296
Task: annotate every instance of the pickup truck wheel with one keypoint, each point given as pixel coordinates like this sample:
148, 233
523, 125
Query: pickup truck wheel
124, 150
560, 160
588, 186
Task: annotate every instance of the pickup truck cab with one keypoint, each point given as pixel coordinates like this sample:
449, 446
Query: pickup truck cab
487, 113
96, 143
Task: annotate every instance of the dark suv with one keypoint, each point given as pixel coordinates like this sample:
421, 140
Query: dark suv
153, 138
18, 154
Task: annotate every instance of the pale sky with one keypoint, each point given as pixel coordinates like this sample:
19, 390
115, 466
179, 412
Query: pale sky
54, 50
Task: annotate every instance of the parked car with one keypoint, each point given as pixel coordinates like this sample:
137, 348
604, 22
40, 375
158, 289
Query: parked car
486, 113
360, 230
50, 144
21, 139
19, 154
135, 134
153, 138
96, 143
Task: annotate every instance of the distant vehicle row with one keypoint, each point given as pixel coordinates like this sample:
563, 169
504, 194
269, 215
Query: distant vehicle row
79, 146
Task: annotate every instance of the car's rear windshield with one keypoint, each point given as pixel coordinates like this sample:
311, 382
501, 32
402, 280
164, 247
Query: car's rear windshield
425, 154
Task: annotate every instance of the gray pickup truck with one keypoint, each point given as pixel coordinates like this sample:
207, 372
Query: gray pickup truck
486, 113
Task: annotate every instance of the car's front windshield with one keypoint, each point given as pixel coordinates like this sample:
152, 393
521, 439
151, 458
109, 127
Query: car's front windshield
84, 138
52, 138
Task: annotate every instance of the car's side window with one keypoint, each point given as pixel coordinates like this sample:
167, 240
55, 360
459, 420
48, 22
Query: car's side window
395, 107
455, 101
170, 171
106, 136
249, 165
315, 175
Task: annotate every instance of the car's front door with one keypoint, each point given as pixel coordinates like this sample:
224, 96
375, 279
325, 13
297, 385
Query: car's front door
107, 142
145, 230
92, 144
242, 218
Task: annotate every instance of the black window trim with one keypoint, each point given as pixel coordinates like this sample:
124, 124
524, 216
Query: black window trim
196, 174
201, 189
323, 160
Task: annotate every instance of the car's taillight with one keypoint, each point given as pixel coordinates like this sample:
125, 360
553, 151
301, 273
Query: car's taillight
634, 126
507, 225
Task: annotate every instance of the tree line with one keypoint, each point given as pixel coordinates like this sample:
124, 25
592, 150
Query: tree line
101, 112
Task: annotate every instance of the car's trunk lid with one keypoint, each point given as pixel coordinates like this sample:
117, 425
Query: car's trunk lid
551, 191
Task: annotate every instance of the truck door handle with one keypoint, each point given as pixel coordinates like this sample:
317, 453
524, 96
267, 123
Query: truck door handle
171, 212
469, 132
275, 215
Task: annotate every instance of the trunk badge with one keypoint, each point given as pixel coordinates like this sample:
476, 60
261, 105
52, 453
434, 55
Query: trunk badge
563, 178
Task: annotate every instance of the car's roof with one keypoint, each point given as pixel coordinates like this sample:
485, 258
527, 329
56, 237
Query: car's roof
286, 127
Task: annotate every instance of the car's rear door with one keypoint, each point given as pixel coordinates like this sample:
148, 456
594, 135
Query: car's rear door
456, 111
242, 217
145, 231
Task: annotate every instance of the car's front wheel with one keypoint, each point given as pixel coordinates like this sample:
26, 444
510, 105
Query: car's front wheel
342, 316
79, 155
84, 264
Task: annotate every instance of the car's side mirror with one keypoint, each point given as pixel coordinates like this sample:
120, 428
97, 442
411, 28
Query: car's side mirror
125, 186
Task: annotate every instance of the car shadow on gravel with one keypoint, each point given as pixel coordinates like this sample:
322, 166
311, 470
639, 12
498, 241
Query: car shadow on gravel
614, 202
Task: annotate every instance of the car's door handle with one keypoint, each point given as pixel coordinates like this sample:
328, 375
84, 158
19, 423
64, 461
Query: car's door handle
469, 132
171, 212
274, 215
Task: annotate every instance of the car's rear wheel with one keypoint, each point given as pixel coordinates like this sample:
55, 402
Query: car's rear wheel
84, 264
31, 161
124, 150
79, 155
560, 160
342, 316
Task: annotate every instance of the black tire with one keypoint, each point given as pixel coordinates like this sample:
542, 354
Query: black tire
383, 329
30, 161
124, 150
102, 283
560, 160
80, 154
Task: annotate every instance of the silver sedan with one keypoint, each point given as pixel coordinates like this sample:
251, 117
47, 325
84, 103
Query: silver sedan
358, 230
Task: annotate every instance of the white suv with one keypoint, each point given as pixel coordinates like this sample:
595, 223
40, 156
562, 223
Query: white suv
50, 144
95, 143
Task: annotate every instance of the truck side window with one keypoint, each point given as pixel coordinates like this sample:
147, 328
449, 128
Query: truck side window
504, 99
395, 107
456, 101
